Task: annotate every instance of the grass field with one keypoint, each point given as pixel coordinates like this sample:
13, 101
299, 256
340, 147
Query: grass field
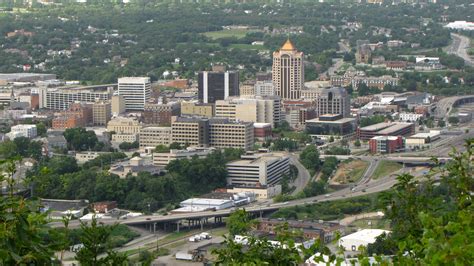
237, 33
386, 168
350, 171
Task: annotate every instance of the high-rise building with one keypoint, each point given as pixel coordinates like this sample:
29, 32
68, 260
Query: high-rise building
161, 113
217, 85
61, 98
118, 104
218, 133
190, 131
250, 109
228, 134
334, 101
288, 71
101, 113
136, 91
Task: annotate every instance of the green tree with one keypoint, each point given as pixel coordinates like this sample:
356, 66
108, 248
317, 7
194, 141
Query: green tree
309, 157
162, 148
79, 139
453, 120
357, 143
175, 146
239, 222
23, 229
95, 239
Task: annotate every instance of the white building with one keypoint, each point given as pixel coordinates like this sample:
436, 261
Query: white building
364, 237
460, 25
136, 91
28, 131
250, 109
61, 98
82, 157
409, 117
163, 159
421, 139
257, 170
264, 88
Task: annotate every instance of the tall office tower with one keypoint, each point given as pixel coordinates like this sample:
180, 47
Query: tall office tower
334, 100
136, 91
101, 113
217, 85
288, 71
118, 104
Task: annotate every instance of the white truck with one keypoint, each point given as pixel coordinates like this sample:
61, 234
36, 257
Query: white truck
181, 255
205, 235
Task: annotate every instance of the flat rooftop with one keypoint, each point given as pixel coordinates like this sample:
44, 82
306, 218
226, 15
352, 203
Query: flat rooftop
368, 235
425, 135
395, 127
339, 121
259, 160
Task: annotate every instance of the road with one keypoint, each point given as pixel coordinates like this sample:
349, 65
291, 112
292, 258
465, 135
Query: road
459, 47
303, 175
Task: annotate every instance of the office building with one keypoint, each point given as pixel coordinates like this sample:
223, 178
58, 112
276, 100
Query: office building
161, 113
27, 131
217, 85
264, 88
247, 88
101, 113
386, 129
124, 125
136, 91
334, 101
227, 134
154, 136
118, 104
163, 159
297, 112
386, 144
190, 131
331, 125
374, 82
257, 170
197, 109
120, 138
61, 98
288, 71
218, 133
250, 109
